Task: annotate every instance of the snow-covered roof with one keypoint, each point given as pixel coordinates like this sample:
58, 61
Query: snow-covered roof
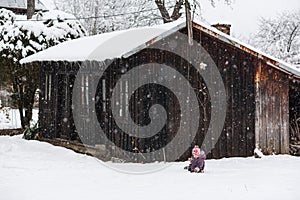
271, 60
82, 48
21, 4
132, 40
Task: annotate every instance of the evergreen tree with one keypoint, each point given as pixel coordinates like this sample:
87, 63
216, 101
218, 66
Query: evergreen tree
19, 39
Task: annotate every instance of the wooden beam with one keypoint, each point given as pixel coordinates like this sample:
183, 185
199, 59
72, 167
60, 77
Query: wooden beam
189, 22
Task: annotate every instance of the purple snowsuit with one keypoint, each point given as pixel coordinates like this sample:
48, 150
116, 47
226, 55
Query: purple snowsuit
197, 162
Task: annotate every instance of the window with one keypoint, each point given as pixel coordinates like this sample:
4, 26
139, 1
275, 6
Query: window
126, 100
85, 92
67, 91
104, 95
121, 99
48, 83
123, 102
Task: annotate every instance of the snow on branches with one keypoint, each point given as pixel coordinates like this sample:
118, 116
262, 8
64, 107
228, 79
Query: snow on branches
280, 37
20, 38
100, 16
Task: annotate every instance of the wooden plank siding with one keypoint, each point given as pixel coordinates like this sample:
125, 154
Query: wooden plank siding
272, 105
257, 98
237, 70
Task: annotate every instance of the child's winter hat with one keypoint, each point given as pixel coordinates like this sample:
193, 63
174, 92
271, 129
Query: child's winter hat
196, 150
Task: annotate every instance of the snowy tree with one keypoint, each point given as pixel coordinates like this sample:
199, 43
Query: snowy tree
280, 37
176, 14
19, 39
99, 16
176, 8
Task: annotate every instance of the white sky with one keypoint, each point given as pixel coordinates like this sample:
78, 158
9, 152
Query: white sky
244, 15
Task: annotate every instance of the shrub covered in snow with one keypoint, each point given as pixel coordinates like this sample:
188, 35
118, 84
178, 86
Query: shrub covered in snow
20, 38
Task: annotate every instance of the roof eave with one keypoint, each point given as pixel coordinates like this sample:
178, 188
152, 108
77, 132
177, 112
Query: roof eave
153, 40
274, 63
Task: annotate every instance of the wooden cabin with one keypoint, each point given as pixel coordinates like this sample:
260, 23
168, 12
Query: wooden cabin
20, 6
261, 92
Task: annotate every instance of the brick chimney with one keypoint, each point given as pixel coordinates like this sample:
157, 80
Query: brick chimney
225, 28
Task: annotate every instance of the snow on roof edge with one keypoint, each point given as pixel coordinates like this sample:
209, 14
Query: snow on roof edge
153, 40
171, 28
282, 65
90, 43
241, 45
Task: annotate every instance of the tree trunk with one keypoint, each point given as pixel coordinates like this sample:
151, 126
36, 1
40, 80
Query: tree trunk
20, 104
17, 92
30, 8
189, 22
291, 38
30, 82
95, 28
25, 83
176, 12
28, 98
164, 12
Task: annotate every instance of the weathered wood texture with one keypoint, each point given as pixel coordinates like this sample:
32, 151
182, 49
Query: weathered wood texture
11, 132
56, 83
272, 109
237, 70
256, 112
95, 151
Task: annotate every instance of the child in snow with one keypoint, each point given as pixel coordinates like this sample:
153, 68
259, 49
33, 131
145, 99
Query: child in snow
197, 160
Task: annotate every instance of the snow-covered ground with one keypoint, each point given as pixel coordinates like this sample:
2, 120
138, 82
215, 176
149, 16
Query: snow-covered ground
10, 118
36, 170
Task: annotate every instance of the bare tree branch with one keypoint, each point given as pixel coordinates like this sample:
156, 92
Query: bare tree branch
163, 11
176, 12
291, 38
280, 36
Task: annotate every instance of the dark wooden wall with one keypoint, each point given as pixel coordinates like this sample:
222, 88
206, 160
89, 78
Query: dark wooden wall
237, 70
257, 101
294, 111
55, 111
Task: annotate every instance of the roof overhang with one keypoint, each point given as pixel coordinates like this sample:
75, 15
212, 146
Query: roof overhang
167, 30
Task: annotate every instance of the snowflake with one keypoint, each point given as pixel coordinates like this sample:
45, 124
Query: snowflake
202, 66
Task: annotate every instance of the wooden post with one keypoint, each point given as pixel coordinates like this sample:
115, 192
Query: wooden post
30, 8
189, 22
